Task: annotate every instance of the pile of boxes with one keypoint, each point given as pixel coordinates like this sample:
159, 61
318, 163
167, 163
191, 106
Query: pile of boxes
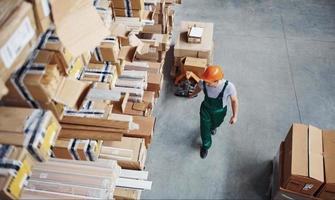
304, 165
193, 51
78, 82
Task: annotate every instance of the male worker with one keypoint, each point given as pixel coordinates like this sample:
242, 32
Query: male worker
213, 109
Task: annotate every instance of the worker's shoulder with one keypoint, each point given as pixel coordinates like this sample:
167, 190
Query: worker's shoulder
231, 86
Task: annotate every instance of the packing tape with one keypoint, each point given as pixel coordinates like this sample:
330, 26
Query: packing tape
5, 150
17, 80
45, 38
73, 150
128, 6
110, 39
9, 167
97, 54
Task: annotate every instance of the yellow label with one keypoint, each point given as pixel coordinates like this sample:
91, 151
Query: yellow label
68, 56
98, 147
76, 68
49, 137
16, 185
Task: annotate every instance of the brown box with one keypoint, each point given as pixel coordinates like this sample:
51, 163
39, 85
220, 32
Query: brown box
303, 162
108, 50
78, 25
128, 13
146, 130
195, 65
18, 35
12, 180
277, 191
200, 50
75, 149
132, 4
328, 190
130, 153
17, 127
155, 82
104, 73
42, 13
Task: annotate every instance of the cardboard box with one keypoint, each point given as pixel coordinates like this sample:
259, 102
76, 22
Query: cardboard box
277, 191
130, 153
128, 13
67, 15
34, 129
196, 50
194, 34
108, 50
146, 129
18, 35
13, 180
152, 67
195, 65
41, 83
155, 82
75, 149
42, 13
66, 61
104, 73
328, 190
128, 4
303, 163
126, 194
160, 41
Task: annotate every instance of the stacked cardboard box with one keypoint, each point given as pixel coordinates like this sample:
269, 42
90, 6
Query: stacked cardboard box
128, 8
98, 79
129, 152
15, 170
26, 136
303, 165
159, 17
194, 40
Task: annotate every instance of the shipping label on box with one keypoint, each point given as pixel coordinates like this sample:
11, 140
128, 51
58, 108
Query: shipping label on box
15, 44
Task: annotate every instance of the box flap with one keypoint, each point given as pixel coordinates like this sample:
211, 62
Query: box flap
127, 53
72, 92
119, 30
315, 153
329, 170
299, 150
78, 25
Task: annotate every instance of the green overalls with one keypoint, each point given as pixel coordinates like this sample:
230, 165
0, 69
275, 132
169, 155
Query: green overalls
212, 114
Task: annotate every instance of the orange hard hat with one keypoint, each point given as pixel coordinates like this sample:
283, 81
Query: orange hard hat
212, 74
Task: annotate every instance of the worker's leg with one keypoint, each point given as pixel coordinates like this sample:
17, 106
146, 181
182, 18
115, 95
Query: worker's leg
217, 117
205, 127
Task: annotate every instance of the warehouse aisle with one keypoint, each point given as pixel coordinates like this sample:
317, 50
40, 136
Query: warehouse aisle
281, 56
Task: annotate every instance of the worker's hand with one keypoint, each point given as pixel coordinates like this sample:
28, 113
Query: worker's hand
233, 120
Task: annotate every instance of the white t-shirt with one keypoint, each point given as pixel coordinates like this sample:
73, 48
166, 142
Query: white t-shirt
213, 92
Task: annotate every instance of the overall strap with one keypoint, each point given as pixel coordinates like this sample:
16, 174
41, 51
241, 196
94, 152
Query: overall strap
224, 88
205, 89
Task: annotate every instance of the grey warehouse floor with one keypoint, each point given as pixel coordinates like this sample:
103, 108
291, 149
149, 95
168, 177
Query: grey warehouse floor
280, 54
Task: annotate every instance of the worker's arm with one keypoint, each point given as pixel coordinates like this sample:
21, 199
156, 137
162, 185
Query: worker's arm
196, 91
234, 107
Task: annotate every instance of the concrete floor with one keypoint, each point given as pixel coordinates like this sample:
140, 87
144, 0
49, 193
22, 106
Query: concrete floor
281, 56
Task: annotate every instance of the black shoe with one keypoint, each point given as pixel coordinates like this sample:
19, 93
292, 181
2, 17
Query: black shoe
203, 153
213, 132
